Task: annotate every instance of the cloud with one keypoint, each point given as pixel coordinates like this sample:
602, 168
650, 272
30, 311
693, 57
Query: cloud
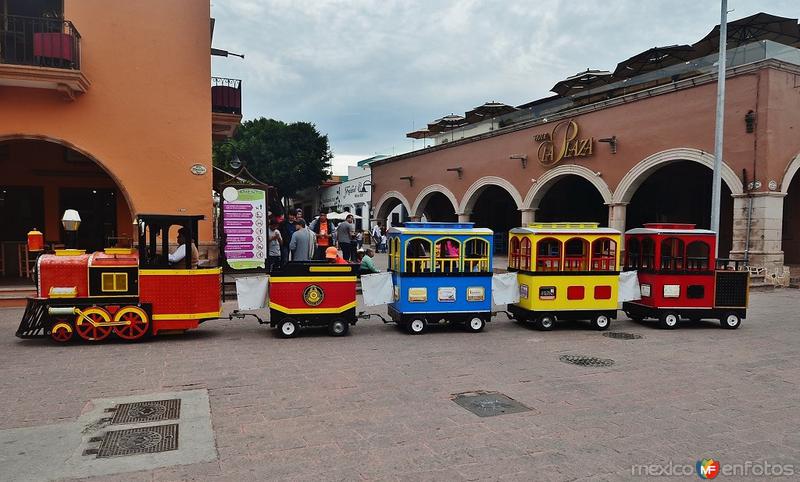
366, 72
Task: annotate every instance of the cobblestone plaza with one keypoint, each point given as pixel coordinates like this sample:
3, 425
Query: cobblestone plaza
378, 403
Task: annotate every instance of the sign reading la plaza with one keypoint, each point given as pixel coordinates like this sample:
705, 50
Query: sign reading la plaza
562, 143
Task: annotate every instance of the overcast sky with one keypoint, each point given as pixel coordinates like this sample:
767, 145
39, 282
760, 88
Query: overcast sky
366, 72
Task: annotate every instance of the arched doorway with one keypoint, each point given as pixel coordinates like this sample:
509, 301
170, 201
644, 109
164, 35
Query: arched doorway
439, 208
391, 209
496, 209
680, 192
790, 237
572, 198
41, 179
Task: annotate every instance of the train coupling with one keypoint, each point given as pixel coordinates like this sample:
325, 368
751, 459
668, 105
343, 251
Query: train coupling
366, 316
239, 315
508, 314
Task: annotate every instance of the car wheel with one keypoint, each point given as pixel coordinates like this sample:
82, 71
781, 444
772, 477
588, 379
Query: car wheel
288, 328
339, 327
545, 322
669, 320
731, 321
476, 324
417, 326
601, 322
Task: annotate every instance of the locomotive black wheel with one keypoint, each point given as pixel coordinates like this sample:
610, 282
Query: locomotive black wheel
669, 320
731, 321
288, 328
338, 327
475, 325
417, 326
545, 322
601, 322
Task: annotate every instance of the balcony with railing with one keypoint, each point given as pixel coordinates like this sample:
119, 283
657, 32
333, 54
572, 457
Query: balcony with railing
40, 52
226, 106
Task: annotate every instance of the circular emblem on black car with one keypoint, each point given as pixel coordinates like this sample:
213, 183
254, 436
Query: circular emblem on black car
313, 295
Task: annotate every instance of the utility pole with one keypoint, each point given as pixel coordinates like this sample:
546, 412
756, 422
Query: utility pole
716, 183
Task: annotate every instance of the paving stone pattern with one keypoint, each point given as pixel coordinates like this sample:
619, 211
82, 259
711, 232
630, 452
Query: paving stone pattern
377, 404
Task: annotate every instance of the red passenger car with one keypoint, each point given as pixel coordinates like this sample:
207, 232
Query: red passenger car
680, 276
122, 291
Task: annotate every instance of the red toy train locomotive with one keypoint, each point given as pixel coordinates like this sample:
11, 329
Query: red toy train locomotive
680, 276
129, 293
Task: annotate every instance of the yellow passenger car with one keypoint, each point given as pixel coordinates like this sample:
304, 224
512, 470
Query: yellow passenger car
566, 271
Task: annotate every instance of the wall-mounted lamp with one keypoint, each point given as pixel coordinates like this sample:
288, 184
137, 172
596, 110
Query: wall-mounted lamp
521, 157
410, 180
459, 170
750, 121
612, 141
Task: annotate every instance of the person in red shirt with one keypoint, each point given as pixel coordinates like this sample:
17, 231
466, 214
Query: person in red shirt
332, 255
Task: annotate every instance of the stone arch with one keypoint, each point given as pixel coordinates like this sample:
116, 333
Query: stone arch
789, 173
477, 187
382, 203
422, 199
546, 181
642, 170
83, 152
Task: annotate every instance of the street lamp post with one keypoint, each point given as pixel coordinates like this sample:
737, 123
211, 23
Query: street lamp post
716, 183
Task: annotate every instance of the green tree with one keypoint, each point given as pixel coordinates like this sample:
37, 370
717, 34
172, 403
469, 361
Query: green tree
290, 157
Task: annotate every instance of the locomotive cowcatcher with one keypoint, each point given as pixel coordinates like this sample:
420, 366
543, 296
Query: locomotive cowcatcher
122, 291
680, 277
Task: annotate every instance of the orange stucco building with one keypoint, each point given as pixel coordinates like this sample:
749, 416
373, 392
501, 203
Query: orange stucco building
628, 149
106, 107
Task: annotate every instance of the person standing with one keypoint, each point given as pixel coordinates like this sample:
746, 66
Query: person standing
275, 241
383, 245
303, 243
376, 235
323, 229
286, 229
344, 235
359, 240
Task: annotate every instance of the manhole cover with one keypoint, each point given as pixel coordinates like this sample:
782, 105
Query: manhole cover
146, 440
150, 411
586, 361
488, 404
621, 335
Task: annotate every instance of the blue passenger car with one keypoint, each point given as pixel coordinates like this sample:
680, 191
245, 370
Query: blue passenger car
442, 272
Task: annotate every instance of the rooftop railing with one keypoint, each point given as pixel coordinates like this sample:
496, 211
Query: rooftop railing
39, 41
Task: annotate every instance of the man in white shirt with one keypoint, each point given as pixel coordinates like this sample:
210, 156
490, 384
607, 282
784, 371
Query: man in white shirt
179, 254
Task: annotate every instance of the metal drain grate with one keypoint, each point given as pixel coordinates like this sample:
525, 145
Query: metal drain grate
145, 440
488, 404
586, 361
621, 335
150, 411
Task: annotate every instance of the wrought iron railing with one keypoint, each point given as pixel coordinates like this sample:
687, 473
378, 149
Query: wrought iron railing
226, 95
39, 41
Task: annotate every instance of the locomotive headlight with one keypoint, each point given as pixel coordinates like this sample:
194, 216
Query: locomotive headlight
71, 220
